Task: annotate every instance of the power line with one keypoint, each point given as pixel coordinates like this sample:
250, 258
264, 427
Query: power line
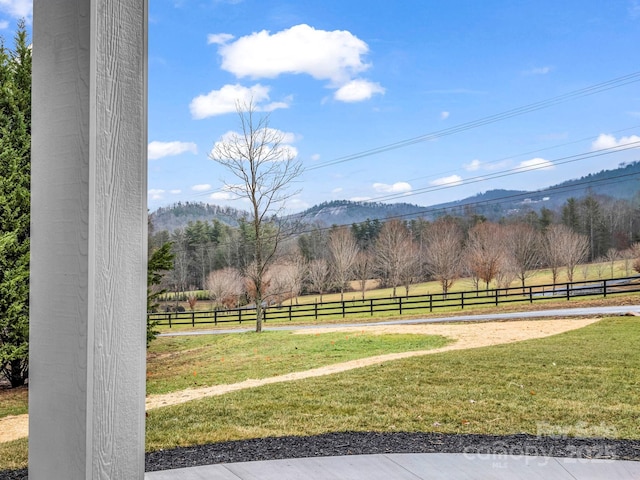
514, 171
294, 231
498, 200
583, 92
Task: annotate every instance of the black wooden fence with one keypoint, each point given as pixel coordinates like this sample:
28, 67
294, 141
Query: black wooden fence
413, 304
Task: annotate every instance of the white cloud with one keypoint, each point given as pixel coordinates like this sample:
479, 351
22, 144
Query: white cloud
539, 70
360, 199
450, 181
4, 24
297, 204
167, 149
175, 192
535, 164
17, 8
336, 56
337, 190
219, 38
473, 166
476, 165
315, 157
201, 188
222, 196
609, 141
155, 193
444, 115
301, 49
398, 187
220, 102
357, 91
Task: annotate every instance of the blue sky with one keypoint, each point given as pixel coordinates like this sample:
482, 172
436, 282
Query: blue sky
341, 78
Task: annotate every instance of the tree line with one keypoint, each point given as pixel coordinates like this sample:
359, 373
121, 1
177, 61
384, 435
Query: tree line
397, 253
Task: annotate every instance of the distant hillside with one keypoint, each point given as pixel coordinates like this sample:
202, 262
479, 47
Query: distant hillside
180, 214
620, 183
345, 212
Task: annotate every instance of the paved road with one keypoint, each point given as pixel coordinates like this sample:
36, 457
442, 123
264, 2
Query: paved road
561, 312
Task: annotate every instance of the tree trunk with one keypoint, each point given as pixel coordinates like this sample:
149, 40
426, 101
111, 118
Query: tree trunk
17, 376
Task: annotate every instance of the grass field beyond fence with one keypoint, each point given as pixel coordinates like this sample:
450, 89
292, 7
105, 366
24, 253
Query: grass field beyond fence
407, 305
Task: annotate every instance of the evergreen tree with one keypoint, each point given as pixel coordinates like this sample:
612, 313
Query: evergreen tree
160, 261
15, 179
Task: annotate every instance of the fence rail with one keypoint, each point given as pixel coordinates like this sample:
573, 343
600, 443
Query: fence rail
404, 305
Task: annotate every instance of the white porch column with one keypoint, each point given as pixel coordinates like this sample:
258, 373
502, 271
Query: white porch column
89, 244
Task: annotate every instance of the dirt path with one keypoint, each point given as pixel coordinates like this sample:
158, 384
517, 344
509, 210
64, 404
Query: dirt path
472, 335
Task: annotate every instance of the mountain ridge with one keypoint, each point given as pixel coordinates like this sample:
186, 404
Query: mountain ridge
619, 183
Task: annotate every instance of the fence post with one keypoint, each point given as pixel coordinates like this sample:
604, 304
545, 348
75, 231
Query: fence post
215, 317
530, 294
343, 310
316, 309
461, 300
497, 297
240, 315
400, 305
604, 288
289, 312
430, 302
371, 306
193, 318
169, 319
568, 292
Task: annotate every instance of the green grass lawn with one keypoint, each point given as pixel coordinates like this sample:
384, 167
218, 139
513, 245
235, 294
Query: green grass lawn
176, 363
582, 383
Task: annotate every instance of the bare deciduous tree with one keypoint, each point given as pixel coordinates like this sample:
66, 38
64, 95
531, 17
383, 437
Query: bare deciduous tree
552, 252
343, 250
225, 286
285, 279
363, 269
443, 252
611, 256
318, 276
522, 245
507, 272
485, 250
263, 166
564, 248
395, 253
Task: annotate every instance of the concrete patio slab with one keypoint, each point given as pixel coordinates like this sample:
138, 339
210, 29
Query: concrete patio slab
428, 466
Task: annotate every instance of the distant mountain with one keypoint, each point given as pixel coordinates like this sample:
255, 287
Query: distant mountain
345, 212
180, 214
620, 183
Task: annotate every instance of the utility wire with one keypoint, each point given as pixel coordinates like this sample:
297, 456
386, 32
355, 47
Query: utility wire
583, 92
513, 171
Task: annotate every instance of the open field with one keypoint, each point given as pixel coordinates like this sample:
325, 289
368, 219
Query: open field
585, 272
583, 383
547, 304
